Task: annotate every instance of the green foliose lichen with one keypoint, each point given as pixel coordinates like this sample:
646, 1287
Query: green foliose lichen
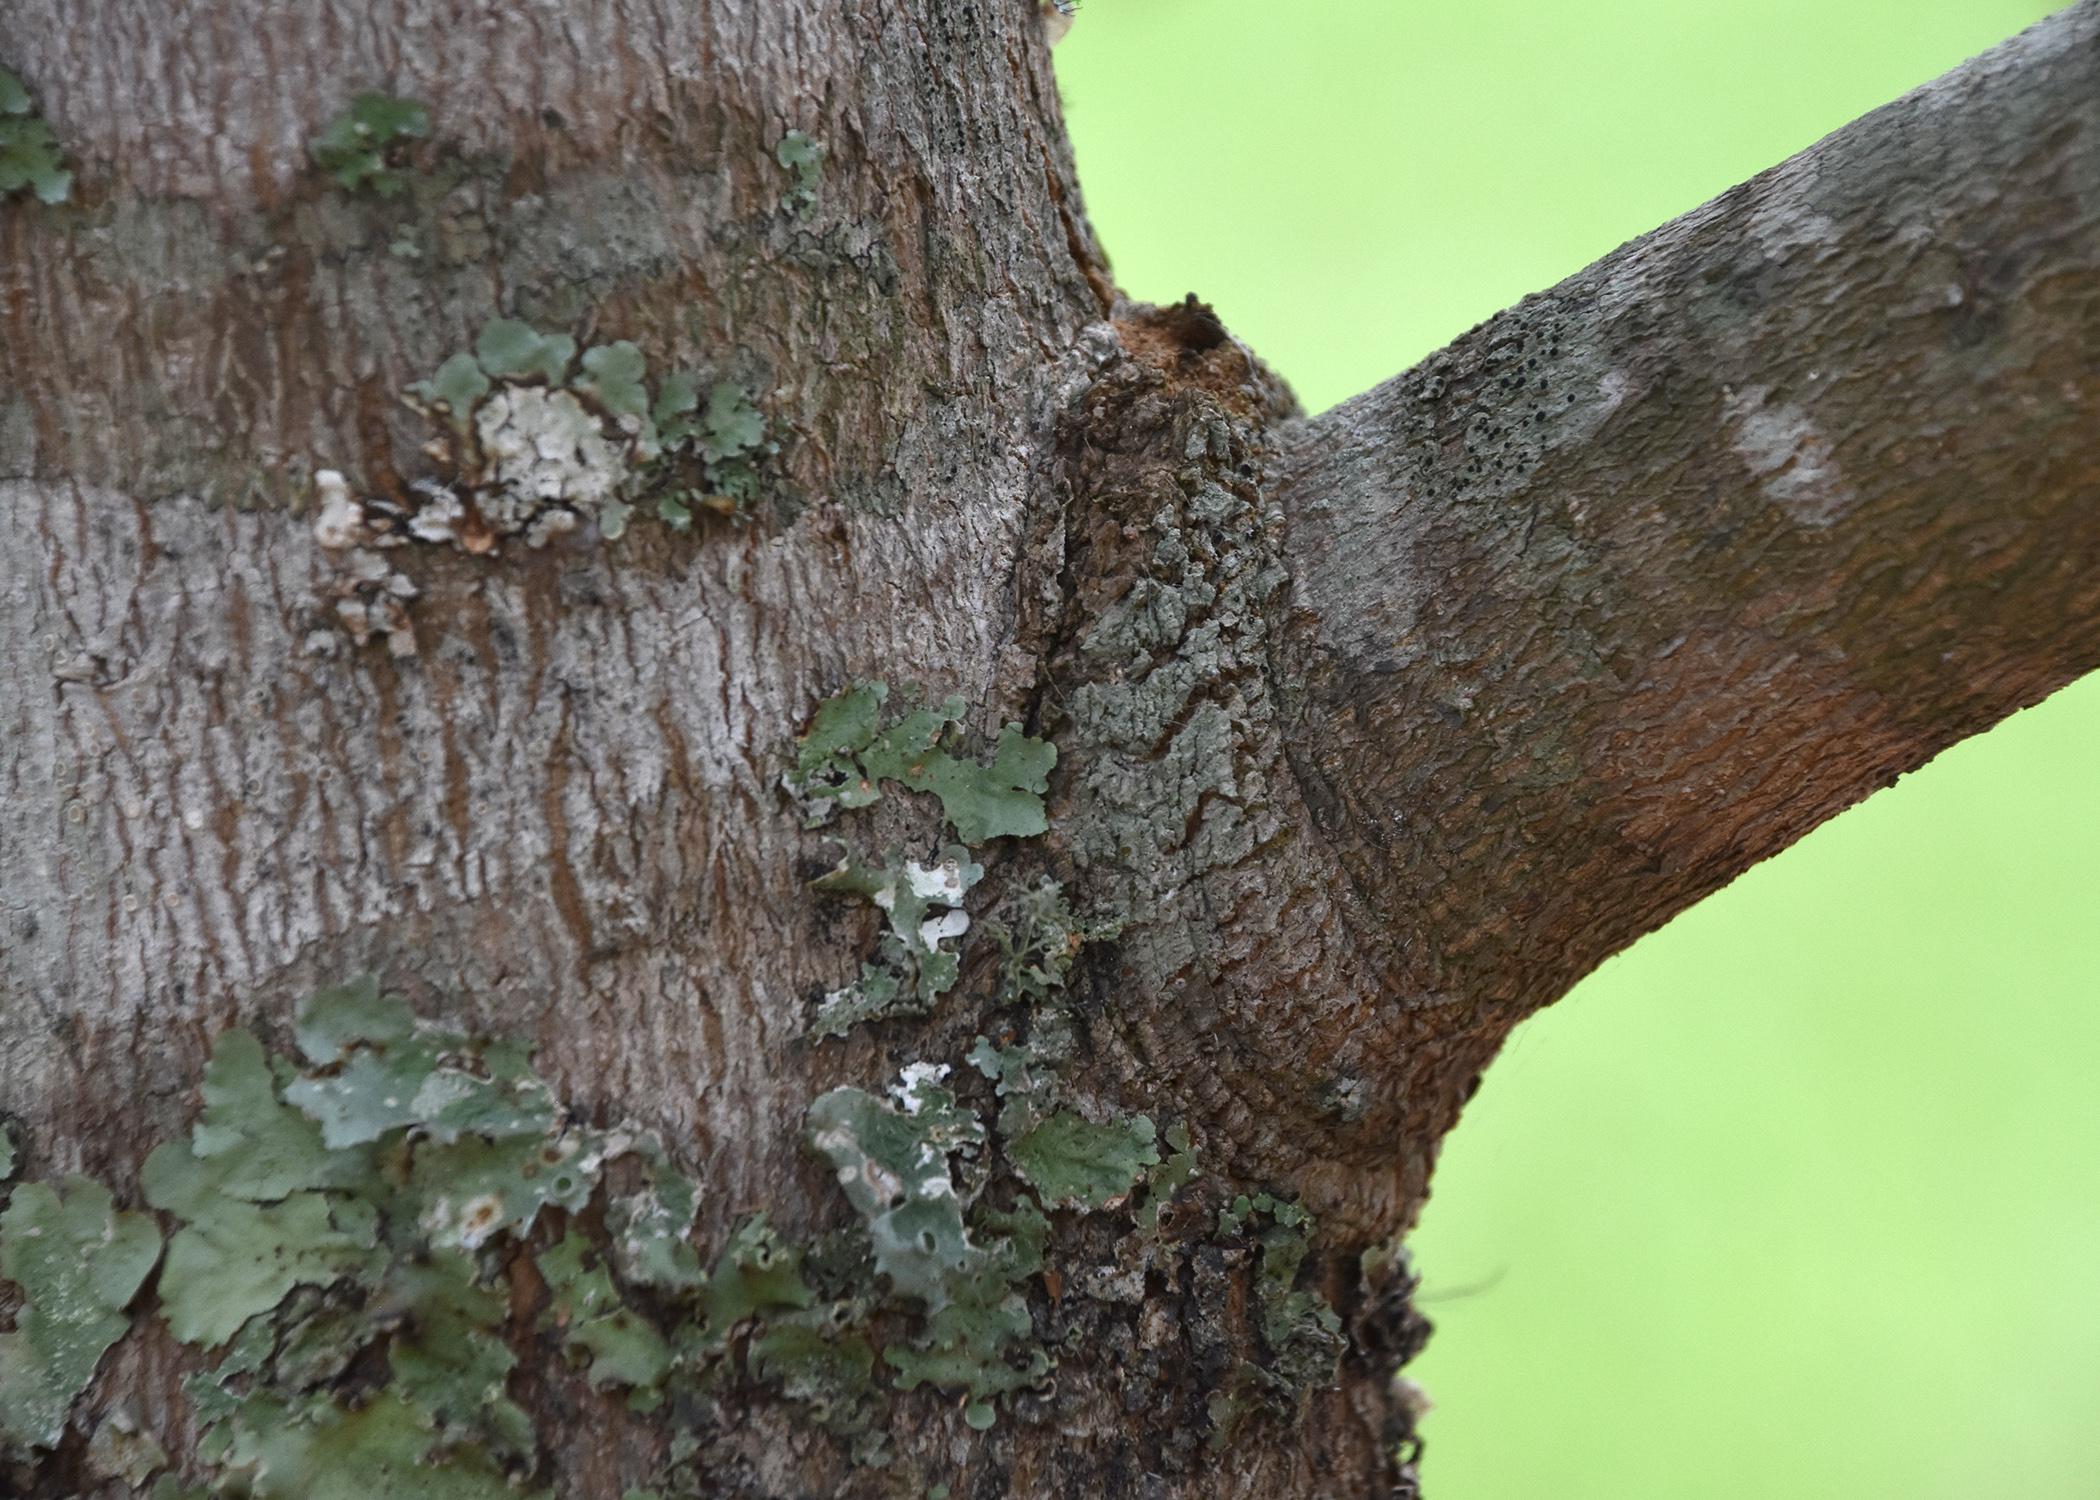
1301, 1334
364, 147
595, 1322
507, 349
803, 159
960, 1262
30, 159
649, 1229
914, 964
1169, 1177
893, 1162
1073, 1163
540, 437
846, 754
314, 1448
337, 1207
711, 456
79, 1263
757, 1275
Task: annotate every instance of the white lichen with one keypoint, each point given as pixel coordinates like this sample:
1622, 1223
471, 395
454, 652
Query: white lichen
372, 600
341, 522
1788, 455
910, 1084
942, 882
542, 447
437, 519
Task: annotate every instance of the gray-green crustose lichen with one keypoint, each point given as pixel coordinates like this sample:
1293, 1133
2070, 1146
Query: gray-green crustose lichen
365, 146
79, 1262
30, 159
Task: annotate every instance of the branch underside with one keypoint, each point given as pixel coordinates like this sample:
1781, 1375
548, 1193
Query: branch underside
1643, 579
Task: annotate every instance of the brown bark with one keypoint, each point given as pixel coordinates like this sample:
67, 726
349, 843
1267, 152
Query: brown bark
1641, 580
1377, 730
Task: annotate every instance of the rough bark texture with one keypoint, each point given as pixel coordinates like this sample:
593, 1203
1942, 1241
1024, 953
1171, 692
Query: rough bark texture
1644, 578
1377, 730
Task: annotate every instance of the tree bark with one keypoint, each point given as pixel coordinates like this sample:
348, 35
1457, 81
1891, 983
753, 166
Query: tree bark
1376, 731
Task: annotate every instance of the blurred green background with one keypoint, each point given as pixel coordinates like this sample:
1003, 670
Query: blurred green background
1802, 1195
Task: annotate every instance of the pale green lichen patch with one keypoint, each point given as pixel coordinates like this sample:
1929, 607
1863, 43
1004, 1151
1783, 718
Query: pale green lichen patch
896, 1163
454, 390
312, 1448
757, 1274
365, 145
893, 1163
510, 350
594, 1321
79, 1263
7, 1152
803, 159
818, 1358
982, 1341
846, 755
1170, 1176
341, 1206
447, 1360
616, 377
814, 1350
914, 964
844, 758
1074, 1163
710, 455
29, 155
649, 1231
539, 439
239, 1259
120, 1449
1301, 1332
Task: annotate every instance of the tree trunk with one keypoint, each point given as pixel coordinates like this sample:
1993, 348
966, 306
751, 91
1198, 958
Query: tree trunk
1374, 732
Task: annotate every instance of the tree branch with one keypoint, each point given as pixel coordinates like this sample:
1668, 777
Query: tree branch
1640, 581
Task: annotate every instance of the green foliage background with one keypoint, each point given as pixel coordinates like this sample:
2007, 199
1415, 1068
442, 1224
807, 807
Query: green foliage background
1802, 1195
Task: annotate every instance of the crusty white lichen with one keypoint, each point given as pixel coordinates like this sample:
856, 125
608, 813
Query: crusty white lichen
340, 522
542, 448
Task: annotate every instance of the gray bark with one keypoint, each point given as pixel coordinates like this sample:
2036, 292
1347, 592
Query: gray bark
1378, 729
